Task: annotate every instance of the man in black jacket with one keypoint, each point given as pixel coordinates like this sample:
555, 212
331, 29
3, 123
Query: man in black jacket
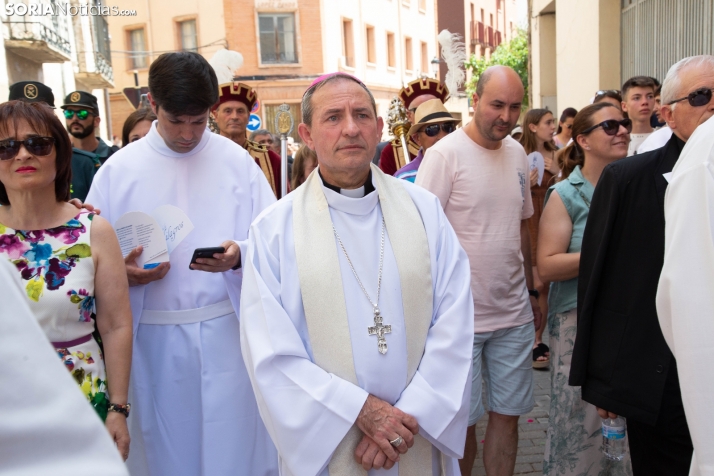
620, 357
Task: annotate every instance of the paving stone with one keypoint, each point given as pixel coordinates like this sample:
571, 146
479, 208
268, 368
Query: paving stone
536, 458
523, 468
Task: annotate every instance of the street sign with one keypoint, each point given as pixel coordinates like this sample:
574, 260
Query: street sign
254, 122
256, 107
133, 95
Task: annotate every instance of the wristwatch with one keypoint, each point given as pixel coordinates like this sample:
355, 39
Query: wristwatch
534, 293
123, 409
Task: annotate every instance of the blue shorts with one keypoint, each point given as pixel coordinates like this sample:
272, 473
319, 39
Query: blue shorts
503, 358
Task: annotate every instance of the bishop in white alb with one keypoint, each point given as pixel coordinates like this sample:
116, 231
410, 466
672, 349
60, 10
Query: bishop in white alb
305, 319
193, 409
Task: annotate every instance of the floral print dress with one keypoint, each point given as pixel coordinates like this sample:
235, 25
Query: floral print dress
57, 272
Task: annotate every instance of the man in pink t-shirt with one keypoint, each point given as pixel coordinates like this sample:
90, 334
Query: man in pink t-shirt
480, 175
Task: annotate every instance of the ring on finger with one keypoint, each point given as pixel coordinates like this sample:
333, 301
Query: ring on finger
396, 441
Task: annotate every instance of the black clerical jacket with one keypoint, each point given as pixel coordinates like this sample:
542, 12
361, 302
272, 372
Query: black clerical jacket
620, 357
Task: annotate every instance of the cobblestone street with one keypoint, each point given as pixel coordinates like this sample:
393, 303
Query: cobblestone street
531, 432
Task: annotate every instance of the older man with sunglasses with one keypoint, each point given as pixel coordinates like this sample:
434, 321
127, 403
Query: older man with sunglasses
684, 298
620, 357
81, 113
432, 122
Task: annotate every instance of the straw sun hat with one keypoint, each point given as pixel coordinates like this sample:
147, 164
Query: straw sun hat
431, 112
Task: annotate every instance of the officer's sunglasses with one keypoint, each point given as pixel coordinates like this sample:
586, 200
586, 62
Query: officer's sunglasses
433, 129
700, 97
38, 146
82, 114
611, 126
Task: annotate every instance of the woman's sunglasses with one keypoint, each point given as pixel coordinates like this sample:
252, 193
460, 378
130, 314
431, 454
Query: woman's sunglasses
82, 114
698, 98
38, 146
611, 126
433, 129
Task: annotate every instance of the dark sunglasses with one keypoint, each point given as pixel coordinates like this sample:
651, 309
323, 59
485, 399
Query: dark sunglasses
611, 126
82, 114
38, 146
433, 129
698, 98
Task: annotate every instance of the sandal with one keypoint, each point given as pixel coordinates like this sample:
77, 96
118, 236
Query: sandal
540, 351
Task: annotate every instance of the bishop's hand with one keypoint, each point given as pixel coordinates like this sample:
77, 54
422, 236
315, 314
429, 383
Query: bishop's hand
221, 261
384, 423
370, 456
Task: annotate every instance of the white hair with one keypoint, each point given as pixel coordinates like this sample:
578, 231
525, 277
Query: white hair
672, 85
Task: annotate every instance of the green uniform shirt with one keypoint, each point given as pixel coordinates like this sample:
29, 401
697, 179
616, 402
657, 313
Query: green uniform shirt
83, 170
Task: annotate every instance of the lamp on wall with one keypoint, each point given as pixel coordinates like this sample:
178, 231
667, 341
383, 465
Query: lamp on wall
435, 67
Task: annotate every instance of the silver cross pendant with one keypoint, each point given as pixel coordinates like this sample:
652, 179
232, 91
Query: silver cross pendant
379, 330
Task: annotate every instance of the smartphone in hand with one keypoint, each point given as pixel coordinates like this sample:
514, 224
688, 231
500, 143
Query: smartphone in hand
205, 253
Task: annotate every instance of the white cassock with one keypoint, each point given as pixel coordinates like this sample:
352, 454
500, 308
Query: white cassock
193, 409
685, 297
46, 424
307, 410
656, 140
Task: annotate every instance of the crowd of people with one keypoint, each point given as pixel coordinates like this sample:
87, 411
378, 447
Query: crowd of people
367, 320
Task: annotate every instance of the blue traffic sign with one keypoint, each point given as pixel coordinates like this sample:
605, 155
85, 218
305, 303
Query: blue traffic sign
254, 122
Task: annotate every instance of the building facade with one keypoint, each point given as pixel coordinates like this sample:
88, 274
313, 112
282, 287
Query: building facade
159, 26
65, 48
286, 44
483, 24
579, 47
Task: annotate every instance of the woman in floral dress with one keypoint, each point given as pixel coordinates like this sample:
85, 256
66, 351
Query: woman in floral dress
69, 261
573, 442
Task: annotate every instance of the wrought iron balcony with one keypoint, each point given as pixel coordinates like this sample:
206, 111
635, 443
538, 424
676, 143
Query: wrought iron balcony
95, 64
37, 40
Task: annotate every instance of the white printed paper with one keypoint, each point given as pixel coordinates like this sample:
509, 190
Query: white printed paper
137, 228
536, 161
158, 233
174, 223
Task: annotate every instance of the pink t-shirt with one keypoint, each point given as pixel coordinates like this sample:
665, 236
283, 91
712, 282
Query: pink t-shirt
485, 195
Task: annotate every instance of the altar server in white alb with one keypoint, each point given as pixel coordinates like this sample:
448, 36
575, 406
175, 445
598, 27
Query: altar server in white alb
685, 297
193, 407
356, 312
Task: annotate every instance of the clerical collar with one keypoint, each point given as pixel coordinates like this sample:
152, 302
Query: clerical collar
359, 192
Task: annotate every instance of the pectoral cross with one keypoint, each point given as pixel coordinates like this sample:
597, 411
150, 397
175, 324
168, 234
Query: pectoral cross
379, 330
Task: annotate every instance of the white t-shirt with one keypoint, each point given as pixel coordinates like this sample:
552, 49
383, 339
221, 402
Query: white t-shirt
635, 141
485, 195
656, 140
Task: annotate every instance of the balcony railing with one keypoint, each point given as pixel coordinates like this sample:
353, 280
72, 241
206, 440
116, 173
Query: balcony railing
103, 66
477, 33
37, 41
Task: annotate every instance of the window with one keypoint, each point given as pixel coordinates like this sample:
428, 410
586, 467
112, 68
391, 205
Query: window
483, 16
408, 60
371, 46
424, 58
422, 5
188, 39
491, 15
277, 38
391, 54
136, 40
348, 47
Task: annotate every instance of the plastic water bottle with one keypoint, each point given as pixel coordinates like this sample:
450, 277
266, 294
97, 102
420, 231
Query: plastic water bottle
613, 438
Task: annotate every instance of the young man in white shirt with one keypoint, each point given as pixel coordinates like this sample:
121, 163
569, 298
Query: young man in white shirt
638, 101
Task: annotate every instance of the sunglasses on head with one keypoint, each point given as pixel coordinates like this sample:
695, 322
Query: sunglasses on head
433, 129
698, 98
611, 126
82, 114
38, 146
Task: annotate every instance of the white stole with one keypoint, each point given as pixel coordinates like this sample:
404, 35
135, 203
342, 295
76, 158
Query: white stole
324, 301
